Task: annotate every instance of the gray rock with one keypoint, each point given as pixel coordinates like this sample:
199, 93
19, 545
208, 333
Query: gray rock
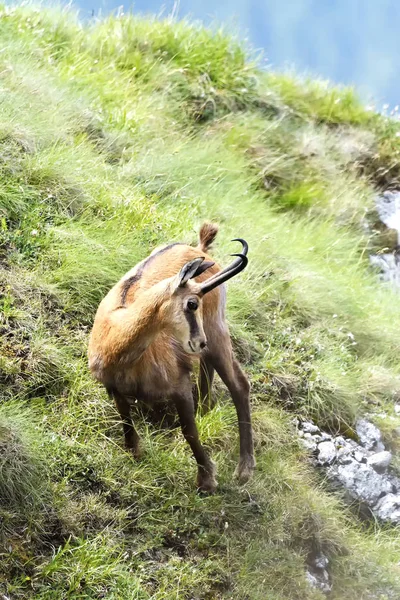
309, 444
369, 435
388, 207
359, 456
340, 441
362, 481
395, 481
388, 266
308, 427
321, 561
388, 508
396, 432
380, 461
317, 574
361, 469
326, 453
344, 455
320, 581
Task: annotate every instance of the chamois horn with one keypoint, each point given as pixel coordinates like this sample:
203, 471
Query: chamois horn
230, 271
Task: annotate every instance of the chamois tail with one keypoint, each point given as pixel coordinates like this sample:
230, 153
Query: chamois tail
208, 232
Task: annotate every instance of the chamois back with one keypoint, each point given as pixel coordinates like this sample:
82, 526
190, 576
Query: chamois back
165, 262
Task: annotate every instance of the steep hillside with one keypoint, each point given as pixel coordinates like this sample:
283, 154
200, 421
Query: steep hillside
124, 134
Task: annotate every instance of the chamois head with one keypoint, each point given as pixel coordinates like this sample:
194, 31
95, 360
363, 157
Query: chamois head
187, 310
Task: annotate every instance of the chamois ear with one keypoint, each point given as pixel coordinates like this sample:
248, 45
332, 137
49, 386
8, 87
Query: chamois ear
188, 271
207, 264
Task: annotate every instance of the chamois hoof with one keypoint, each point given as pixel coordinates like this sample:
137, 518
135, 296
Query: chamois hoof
207, 488
206, 481
245, 469
137, 452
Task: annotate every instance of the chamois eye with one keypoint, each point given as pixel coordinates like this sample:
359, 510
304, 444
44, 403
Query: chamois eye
192, 305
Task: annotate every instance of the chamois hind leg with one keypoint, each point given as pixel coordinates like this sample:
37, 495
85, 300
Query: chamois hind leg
131, 436
228, 368
203, 389
206, 470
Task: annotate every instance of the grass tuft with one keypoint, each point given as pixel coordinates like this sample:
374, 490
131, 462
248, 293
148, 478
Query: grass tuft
23, 478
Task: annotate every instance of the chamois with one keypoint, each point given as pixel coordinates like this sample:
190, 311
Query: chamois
161, 317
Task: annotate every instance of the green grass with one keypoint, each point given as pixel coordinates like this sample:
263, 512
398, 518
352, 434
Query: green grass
124, 134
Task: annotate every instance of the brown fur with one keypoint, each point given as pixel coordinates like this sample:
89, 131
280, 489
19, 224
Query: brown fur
136, 348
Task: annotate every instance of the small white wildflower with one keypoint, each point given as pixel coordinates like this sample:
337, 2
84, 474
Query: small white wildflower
34, 232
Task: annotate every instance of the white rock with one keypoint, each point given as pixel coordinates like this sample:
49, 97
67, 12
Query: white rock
309, 444
310, 427
359, 456
369, 435
362, 481
344, 455
326, 453
388, 508
319, 579
339, 441
397, 409
380, 461
321, 561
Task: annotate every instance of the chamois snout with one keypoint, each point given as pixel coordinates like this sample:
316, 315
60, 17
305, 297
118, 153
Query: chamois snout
192, 334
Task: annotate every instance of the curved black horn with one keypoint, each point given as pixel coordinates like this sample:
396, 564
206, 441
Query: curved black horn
231, 270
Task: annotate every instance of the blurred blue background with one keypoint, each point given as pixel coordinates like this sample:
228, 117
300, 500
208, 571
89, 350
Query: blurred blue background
354, 42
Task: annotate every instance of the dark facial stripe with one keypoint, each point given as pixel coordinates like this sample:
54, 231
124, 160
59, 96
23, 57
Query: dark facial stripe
131, 280
191, 319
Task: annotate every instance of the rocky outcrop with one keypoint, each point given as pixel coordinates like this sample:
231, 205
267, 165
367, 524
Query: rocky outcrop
317, 573
388, 263
361, 468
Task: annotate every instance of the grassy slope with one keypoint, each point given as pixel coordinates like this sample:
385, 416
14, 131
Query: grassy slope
123, 135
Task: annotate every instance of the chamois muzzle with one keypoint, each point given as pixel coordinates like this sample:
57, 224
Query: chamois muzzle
231, 270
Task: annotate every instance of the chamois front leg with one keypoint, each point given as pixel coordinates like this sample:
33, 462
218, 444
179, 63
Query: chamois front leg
227, 367
132, 439
206, 469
